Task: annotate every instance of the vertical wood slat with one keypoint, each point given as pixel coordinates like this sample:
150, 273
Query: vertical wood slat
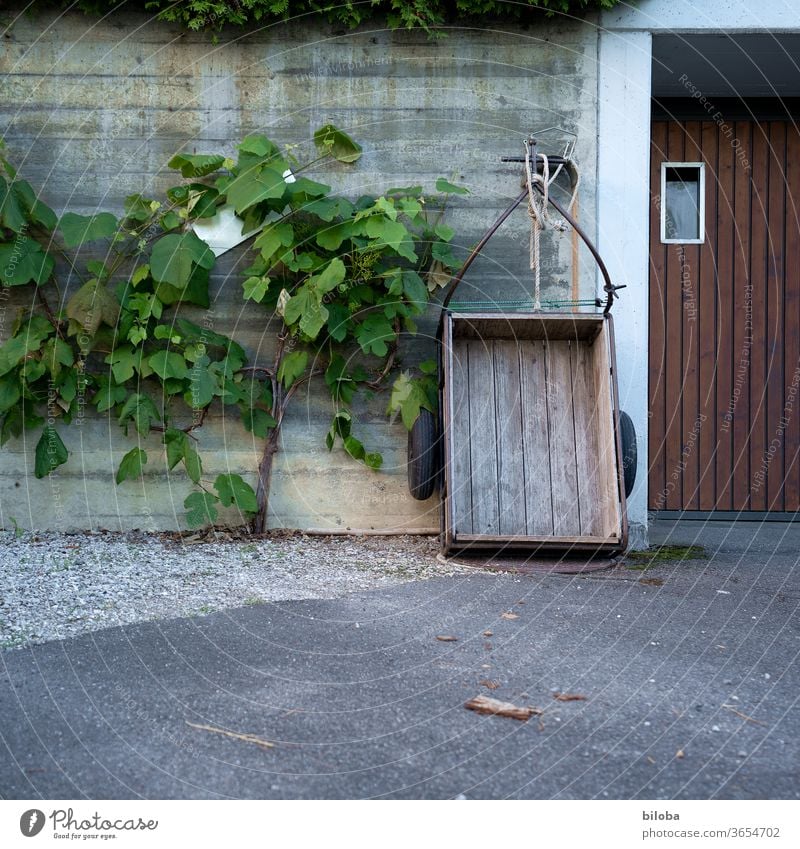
691, 425
608, 483
792, 314
560, 419
483, 438
707, 328
775, 294
674, 363
461, 477
588, 459
742, 325
723, 225
510, 455
657, 310
758, 372
536, 439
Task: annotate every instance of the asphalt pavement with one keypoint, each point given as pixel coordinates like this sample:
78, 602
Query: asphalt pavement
682, 680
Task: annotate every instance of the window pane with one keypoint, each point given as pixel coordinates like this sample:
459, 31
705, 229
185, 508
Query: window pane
682, 203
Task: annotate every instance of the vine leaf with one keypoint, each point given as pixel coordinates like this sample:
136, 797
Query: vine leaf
123, 361
292, 367
273, 237
92, 305
174, 255
10, 392
391, 233
232, 489
176, 442
31, 336
192, 464
196, 164
306, 306
257, 421
408, 397
50, 452
109, 394
168, 364
142, 411
331, 277
449, 188
131, 465
251, 188
201, 509
332, 140
255, 288
78, 229
373, 333
24, 261
202, 387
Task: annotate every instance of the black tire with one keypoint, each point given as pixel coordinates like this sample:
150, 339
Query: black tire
423, 456
627, 434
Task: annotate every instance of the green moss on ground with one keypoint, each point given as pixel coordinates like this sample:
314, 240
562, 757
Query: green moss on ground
657, 554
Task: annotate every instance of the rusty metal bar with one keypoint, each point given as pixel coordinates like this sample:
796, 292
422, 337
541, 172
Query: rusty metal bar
609, 287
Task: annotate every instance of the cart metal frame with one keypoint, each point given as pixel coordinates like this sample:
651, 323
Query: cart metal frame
551, 348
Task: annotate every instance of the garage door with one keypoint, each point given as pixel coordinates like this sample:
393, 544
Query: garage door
724, 372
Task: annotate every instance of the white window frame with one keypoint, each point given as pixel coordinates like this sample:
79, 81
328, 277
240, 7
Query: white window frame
702, 211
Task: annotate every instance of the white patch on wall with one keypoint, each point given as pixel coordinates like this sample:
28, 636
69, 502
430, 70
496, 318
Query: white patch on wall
223, 231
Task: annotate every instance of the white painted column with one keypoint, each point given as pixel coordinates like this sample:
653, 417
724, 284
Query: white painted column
623, 208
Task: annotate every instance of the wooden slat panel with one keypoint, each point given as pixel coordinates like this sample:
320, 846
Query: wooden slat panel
706, 325
724, 335
483, 438
510, 456
536, 439
792, 314
742, 324
588, 459
776, 378
461, 476
730, 377
563, 472
656, 394
673, 381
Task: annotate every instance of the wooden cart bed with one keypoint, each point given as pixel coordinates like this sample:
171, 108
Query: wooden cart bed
532, 458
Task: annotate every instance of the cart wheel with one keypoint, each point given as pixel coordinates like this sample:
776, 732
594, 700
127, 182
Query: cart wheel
423, 456
627, 433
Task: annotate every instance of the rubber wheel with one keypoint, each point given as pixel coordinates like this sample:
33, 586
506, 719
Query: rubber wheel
423, 456
627, 433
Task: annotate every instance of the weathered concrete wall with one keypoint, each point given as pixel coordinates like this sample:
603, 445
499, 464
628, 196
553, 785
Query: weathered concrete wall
92, 111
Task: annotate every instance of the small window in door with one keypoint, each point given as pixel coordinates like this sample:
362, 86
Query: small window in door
683, 202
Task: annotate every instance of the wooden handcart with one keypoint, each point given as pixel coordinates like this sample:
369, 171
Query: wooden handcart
529, 450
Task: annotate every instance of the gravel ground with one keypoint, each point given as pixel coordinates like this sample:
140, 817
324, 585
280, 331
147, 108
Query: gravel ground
55, 585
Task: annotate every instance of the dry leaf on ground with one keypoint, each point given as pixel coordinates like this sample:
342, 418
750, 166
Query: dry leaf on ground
569, 697
494, 707
509, 615
446, 638
246, 738
492, 685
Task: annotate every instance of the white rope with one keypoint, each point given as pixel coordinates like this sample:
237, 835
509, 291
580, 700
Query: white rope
538, 209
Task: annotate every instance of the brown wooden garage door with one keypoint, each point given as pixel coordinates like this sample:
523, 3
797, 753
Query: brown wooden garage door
724, 372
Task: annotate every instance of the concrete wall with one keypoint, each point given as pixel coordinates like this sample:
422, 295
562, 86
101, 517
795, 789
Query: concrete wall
92, 111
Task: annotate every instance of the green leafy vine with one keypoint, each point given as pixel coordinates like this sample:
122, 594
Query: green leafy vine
343, 275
